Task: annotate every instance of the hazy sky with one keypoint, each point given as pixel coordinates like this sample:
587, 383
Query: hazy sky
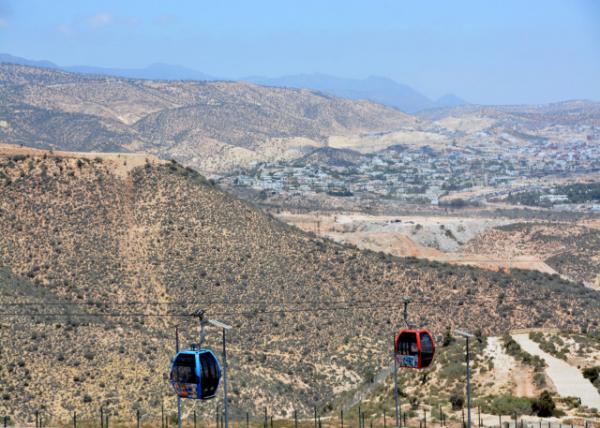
485, 51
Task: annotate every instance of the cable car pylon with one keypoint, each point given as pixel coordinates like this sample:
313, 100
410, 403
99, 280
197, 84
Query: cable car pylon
196, 372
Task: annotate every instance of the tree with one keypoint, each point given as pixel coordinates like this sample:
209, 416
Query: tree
544, 405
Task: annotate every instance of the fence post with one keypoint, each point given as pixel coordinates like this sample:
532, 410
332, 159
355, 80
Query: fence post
404, 418
500, 420
359, 418
295, 418
194, 419
162, 414
425, 418
266, 421
137, 415
74, 419
37, 419
315, 416
271, 421
463, 418
5, 421
101, 417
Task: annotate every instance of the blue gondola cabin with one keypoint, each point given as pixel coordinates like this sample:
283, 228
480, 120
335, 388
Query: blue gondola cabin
195, 374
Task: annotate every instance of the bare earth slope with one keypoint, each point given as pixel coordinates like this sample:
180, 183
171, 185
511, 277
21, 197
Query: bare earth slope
123, 251
571, 250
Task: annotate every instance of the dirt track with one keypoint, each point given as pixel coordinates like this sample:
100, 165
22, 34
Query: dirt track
568, 380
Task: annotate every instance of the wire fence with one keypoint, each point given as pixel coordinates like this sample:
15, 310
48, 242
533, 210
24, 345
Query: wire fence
431, 417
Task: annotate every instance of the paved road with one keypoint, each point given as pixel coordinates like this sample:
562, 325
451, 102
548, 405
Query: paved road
568, 380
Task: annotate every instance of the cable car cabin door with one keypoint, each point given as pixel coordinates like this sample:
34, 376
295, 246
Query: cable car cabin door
407, 349
185, 375
210, 374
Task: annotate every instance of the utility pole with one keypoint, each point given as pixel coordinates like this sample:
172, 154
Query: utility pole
203, 322
467, 336
225, 404
396, 386
178, 397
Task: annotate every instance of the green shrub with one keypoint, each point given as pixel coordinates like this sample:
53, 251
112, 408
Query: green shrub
457, 401
592, 373
508, 405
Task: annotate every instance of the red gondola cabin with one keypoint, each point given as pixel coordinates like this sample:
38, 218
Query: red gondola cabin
414, 349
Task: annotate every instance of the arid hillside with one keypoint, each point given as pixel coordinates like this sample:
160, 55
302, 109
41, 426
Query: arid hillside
209, 125
571, 250
101, 258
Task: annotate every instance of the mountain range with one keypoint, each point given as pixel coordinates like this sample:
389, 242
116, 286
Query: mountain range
209, 125
374, 88
378, 89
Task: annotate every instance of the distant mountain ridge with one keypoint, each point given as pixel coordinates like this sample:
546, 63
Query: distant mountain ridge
377, 89
156, 71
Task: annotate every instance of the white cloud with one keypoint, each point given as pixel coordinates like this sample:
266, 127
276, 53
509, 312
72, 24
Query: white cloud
3, 23
100, 20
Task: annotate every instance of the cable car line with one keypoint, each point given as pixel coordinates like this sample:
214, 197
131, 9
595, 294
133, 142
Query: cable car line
253, 313
179, 303
180, 315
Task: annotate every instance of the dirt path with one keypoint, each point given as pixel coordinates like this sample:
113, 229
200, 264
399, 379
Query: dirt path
568, 380
502, 361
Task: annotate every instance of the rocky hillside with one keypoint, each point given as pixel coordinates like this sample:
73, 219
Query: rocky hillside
100, 259
210, 125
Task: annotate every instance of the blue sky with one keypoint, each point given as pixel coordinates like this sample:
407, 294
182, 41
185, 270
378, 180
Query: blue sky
486, 51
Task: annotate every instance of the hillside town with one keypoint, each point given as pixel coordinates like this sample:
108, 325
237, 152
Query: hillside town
424, 175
